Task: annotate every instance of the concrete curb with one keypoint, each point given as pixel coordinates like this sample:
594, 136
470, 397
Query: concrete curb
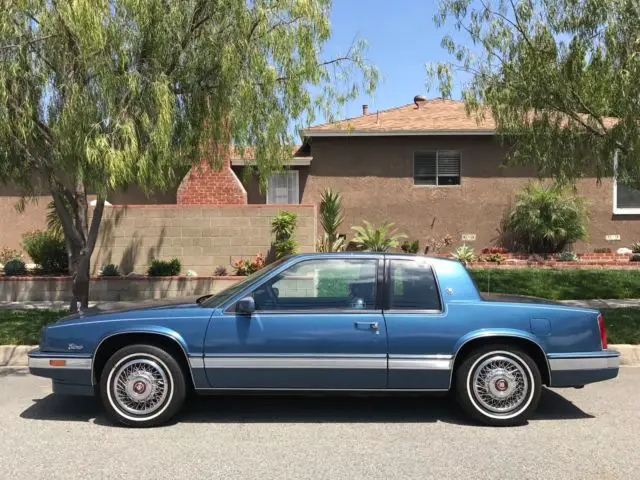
16, 355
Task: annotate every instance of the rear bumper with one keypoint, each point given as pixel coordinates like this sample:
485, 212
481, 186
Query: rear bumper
576, 369
70, 374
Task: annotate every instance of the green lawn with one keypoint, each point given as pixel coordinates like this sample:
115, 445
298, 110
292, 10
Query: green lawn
623, 325
557, 284
22, 327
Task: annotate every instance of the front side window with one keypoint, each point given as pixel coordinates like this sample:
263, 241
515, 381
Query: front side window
319, 285
413, 287
437, 167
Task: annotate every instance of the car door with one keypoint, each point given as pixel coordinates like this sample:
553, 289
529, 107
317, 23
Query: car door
317, 324
416, 323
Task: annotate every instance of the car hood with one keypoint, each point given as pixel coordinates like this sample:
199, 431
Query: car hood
510, 298
131, 307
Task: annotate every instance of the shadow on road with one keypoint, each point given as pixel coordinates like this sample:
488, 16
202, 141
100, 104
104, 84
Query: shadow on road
299, 409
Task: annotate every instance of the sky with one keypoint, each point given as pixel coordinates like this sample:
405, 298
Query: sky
401, 38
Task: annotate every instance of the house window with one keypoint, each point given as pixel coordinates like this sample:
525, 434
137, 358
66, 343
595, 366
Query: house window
437, 167
283, 188
626, 199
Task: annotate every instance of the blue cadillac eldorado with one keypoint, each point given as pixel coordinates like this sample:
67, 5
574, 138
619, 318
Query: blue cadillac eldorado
348, 322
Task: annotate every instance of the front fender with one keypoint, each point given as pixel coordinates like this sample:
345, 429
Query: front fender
153, 330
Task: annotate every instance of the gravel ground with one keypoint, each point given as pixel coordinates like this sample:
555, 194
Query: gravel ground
588, 433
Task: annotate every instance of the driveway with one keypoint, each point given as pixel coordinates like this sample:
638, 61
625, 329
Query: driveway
588, 433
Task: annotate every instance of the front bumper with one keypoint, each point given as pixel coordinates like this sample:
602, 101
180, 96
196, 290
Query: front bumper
577, 369
70, 374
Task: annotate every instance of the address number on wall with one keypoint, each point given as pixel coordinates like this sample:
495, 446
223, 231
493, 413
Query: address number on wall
612, 237
468, 237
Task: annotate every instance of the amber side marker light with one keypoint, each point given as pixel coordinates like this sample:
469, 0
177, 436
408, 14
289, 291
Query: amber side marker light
57, 363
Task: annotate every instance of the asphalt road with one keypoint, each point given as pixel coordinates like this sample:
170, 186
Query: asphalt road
589, 433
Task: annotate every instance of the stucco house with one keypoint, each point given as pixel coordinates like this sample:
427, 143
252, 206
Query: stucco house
426, 166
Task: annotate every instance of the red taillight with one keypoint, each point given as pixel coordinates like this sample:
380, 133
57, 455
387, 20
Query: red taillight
603, 332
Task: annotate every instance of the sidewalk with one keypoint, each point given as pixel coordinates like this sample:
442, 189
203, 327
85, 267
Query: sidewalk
596, 303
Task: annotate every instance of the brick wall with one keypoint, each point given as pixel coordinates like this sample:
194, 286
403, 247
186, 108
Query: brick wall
201, 237
206, 186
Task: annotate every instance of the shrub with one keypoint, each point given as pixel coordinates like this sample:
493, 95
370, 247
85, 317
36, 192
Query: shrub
634, 258
331, 217
495, 258
283, 227
163, 268
247, 266
15, 267
490, 250
567, 256
544, 219
220, 271
7, 254
435, 244
110, 270
47, 250
410, 247
381, 239
635, 247
464, 254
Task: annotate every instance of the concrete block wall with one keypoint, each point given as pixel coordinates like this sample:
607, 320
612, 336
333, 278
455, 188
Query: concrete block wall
201, 237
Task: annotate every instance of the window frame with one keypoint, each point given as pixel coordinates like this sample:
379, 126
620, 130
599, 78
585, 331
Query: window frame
292, 171
386, 304
620, 210
230, 309
437, 151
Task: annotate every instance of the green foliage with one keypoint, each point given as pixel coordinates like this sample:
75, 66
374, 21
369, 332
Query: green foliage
495, 258
634, 258
283, 227
567, 256
110, 270
7, 254
22, 327
464, 254
635, 247
410, 247
551, 73
623, 325
47, 250
54, 223
544, 219
162, 268
244, 267
561, 283
381, 239
15, 267
331, 217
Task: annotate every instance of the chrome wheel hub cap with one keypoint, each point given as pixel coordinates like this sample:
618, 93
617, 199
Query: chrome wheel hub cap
140, 386
500, 384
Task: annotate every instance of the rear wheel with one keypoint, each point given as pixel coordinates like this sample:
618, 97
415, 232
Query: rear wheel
142, 386
498, 385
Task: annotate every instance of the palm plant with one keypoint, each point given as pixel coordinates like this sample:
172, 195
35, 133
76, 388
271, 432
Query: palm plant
545, 219
54, 224
331, 217
283, 227
381, 239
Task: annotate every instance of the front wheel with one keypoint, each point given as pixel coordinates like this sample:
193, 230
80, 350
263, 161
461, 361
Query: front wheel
142, 386
498, 385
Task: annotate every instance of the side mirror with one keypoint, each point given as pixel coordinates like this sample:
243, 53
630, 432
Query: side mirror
246, 306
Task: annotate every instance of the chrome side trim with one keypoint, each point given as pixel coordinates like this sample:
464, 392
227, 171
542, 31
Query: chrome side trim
585, 363
196, 362
337, 390
302, 361
418, 364
71, 363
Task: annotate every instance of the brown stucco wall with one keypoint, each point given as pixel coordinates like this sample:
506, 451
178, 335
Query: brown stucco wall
375, 178
201, 237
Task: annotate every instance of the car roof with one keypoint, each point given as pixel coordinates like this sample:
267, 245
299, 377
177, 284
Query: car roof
432, 259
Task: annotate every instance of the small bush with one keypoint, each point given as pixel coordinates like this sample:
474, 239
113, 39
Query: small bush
220, 271
635, 247
47, 250
495, 258
110, 270
410, 247
567, 256
247, 266
7, 254
283, 227
634, 258
490, 250
464, 254
15, 267
371, 239
162, 268
602, 250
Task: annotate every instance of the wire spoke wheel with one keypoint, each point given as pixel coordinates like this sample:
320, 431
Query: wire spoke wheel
140, 386
500, 384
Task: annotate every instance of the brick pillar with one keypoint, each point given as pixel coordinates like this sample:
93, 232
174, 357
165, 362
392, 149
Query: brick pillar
206, 186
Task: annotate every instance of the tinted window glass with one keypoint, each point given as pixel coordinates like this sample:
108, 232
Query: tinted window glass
413, 286
321, 284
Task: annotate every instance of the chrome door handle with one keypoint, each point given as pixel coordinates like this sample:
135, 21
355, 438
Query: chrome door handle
369, 325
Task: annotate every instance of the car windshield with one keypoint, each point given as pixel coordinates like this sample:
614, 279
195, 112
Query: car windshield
221, 297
